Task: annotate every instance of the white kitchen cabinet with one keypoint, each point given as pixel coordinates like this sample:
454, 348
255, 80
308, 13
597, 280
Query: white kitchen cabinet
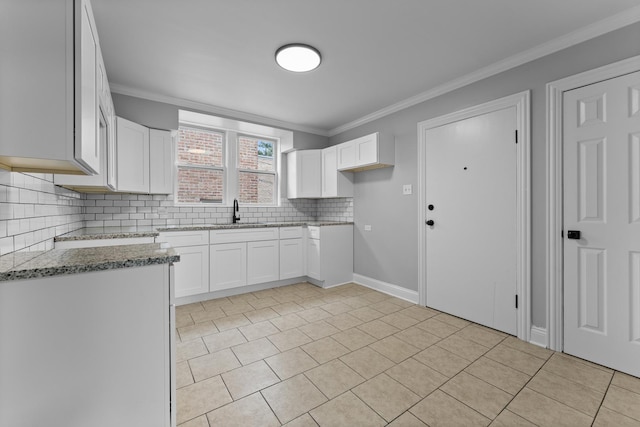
263, 261
88, 349
334, 182
330, 254
132, 157
364, 153
292, 259
303, 174
313, 259
192, 272
105, 180
160, 162
48, 77
292, 252
228, 266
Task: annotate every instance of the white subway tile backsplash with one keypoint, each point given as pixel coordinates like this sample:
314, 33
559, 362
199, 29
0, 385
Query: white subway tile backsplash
33, 210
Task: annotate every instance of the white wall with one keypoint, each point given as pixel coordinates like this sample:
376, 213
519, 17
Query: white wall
390, 251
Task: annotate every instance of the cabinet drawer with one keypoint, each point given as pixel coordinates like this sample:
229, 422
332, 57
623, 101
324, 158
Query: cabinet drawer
314, 232
243, 235
184, 238
290, 232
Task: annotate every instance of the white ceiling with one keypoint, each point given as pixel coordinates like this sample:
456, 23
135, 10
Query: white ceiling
376, 53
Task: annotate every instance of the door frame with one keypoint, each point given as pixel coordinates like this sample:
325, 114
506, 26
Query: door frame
521, 101
555, 197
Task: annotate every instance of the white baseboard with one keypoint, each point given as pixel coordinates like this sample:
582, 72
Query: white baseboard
538, 336
387, 288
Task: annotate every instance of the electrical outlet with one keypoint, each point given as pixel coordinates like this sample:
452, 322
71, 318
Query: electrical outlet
407, 189
367, 228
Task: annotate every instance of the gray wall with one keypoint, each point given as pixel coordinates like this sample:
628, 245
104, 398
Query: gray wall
390, 251
159, 115
156, 115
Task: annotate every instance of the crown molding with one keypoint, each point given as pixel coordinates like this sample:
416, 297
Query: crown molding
580, 35
226, 112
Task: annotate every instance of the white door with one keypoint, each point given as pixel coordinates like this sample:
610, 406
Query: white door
601, 140
471, 247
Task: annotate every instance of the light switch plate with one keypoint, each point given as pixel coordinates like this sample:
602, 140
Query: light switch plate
407, 189
367, 228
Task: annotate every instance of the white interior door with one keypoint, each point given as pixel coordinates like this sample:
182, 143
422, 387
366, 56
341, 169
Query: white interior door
601, 140
471, 248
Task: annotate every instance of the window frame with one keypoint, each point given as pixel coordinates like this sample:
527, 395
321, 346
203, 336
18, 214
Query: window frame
230, 174
222, 168
276, 164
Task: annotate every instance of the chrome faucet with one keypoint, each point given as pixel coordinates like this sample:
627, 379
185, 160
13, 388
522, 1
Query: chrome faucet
236, 209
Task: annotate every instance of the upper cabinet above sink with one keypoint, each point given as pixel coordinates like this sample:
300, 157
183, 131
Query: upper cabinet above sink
364, 153
49, 116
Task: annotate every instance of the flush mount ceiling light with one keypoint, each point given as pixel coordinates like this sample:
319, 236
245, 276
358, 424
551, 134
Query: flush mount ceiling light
298, 57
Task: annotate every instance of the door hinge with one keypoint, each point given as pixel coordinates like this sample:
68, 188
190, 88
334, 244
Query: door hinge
516, 300
516, 136
562, 233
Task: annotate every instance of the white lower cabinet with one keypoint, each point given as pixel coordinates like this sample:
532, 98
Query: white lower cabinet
228, 266
313, 259
102, 357
263, 261
192, 272
330, 254
224, 259
292, 258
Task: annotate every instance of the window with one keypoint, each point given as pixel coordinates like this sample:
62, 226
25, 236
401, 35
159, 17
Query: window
256, 171
215, 166
200, 165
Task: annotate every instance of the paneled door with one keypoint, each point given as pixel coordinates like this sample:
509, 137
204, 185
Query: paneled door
601, 151
471, 236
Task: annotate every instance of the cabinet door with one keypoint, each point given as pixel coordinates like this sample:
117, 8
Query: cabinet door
346, 155
133, 157
366, 150
291, 258
313, 259
263, 261
160, 162
330, 172
192, 272
228, 267
304, 174
87, 147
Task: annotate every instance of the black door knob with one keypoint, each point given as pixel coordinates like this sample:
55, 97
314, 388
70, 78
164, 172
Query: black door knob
573, 234
430, 222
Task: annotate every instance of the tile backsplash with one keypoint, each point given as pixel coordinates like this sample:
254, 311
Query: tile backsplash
106, 210
33, 210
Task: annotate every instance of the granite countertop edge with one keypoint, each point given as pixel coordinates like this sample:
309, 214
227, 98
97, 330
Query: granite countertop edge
57, 262
112, 233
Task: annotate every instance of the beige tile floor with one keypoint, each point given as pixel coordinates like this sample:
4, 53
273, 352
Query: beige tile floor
349, 356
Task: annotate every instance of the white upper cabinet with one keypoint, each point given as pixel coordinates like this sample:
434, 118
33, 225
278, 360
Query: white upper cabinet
105, 180
364, 153
334, 182
160, 162
87, 150
303, 174
133, 157
49, 119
